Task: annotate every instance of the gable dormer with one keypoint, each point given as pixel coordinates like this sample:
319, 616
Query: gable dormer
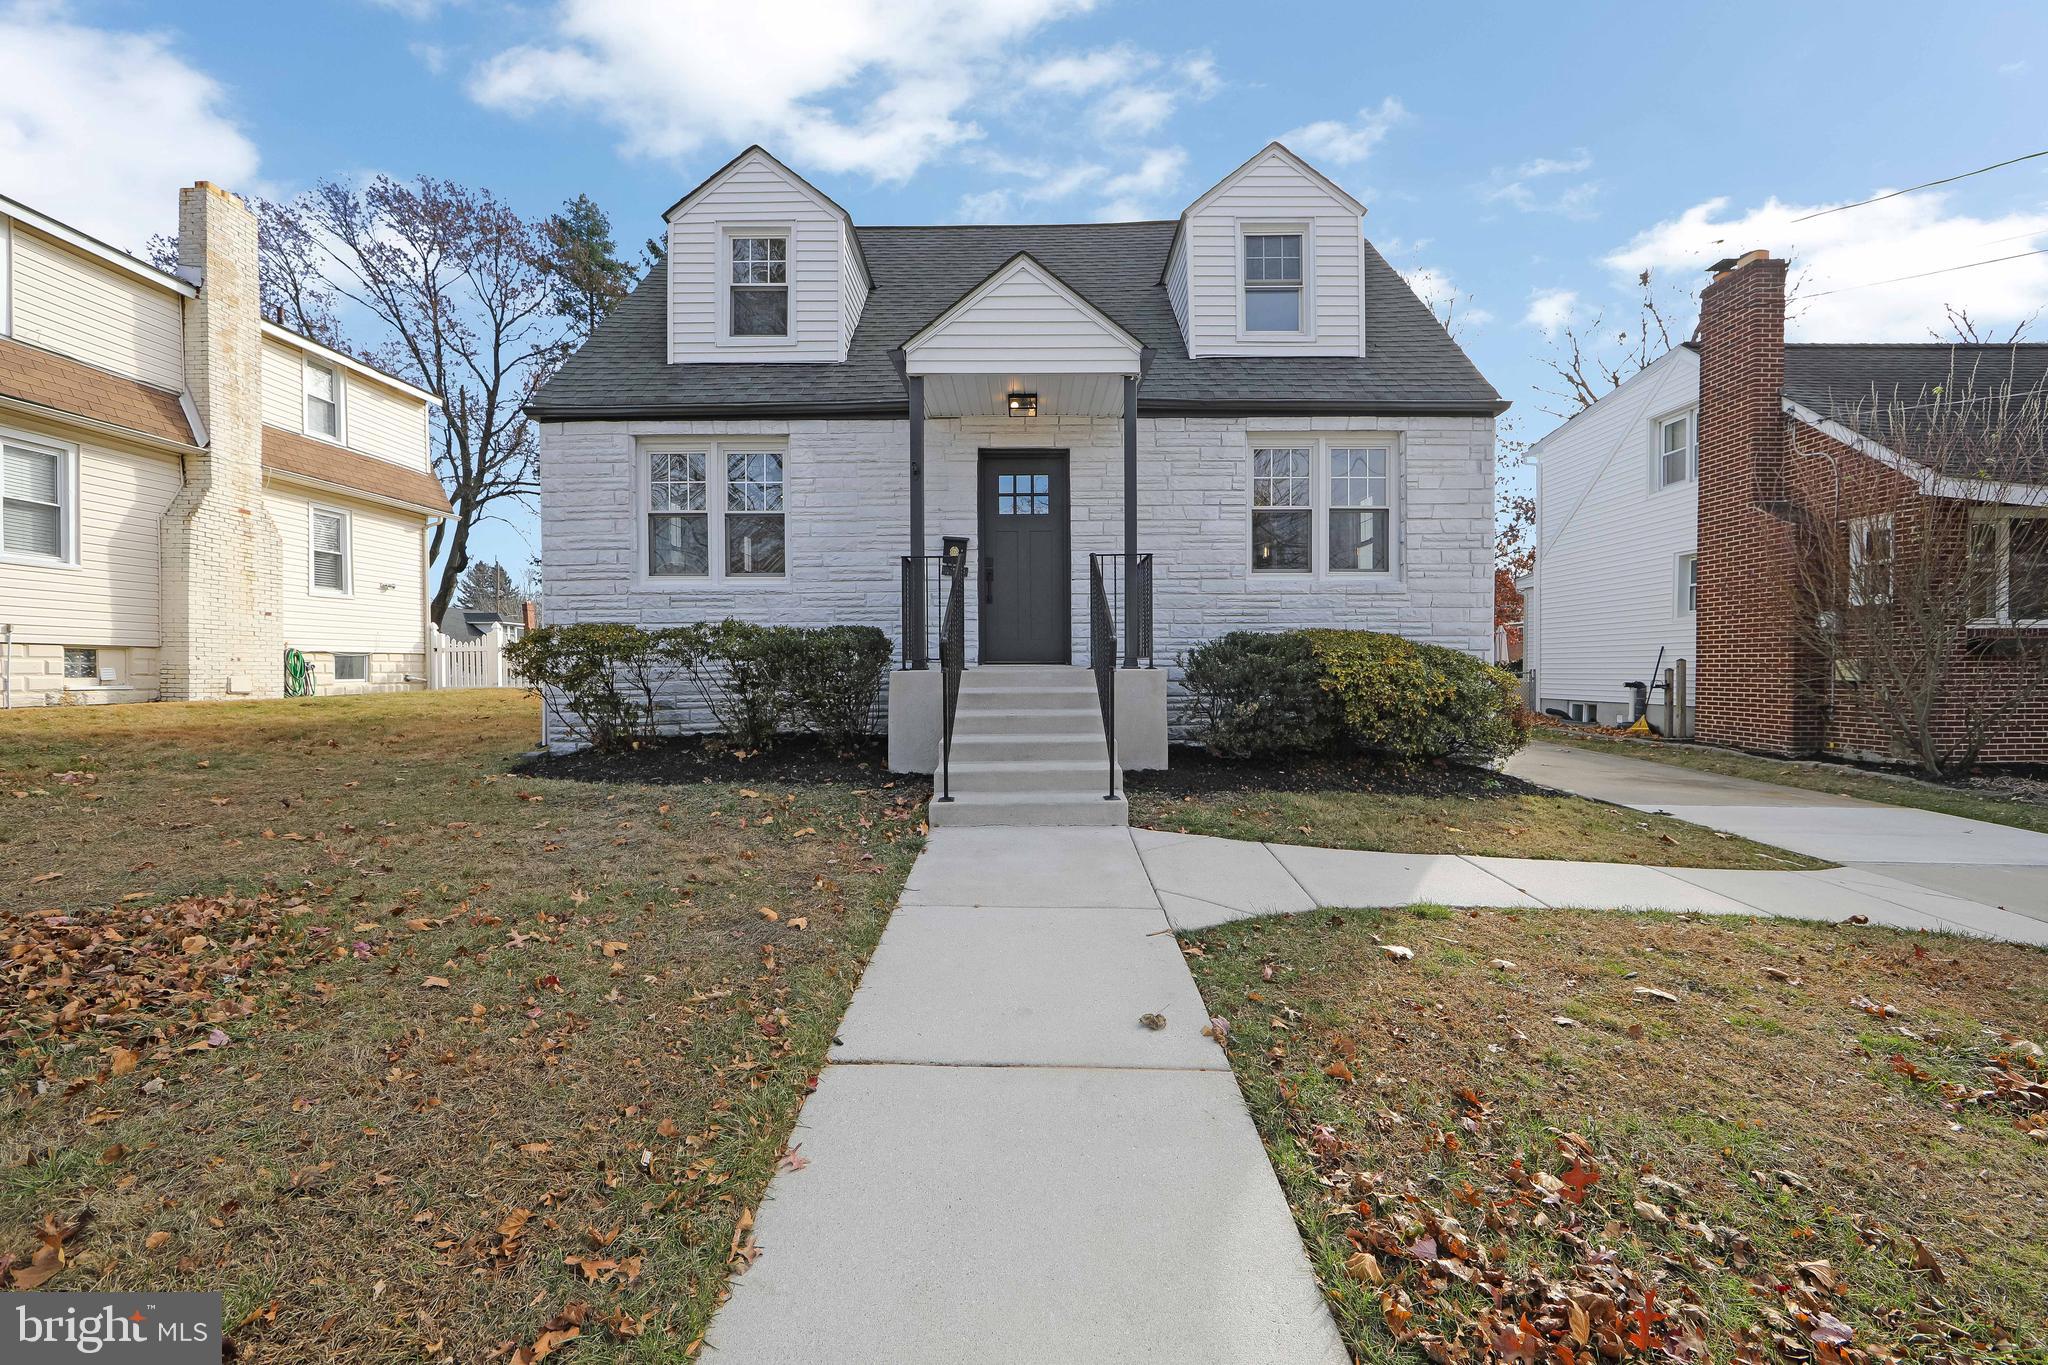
1271, 261
762, 266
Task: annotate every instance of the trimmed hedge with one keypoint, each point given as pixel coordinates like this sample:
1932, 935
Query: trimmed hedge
756, 681
1255, 693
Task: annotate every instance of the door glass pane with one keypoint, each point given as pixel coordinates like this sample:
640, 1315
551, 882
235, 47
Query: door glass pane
677, 545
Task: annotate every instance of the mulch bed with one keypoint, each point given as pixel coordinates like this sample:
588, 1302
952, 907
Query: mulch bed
1194, 771
686, 760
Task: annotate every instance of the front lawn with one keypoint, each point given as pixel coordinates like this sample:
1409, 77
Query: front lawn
1579, 1136
1422, 808
320, 1004
1978, 800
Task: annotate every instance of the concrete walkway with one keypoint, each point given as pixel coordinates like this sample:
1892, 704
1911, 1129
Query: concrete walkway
1971, 859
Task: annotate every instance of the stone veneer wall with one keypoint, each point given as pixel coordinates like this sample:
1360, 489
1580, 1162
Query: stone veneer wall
847, 495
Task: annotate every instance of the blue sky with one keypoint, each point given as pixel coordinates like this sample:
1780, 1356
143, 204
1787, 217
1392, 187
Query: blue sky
1527, 160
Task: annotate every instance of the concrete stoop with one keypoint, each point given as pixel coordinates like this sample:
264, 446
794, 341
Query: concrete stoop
1028, 749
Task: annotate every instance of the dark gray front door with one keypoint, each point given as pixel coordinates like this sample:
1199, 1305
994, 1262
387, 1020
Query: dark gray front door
1024, 568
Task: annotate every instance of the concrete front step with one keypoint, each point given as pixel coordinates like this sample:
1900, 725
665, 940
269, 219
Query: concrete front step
1029, 808
1027, 722
1025, 748
1029, 698
979, 777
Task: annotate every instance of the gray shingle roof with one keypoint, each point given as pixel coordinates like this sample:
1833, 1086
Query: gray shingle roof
1410, 365
1883, 390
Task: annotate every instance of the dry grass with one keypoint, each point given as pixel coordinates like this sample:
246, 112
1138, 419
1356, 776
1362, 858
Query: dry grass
1506, 825
233, 1063
1752, 1143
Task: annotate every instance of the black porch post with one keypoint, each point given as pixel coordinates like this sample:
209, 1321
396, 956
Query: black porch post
915, 609
1130, 521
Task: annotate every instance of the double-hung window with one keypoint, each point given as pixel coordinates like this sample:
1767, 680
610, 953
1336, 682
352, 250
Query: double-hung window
323, 400
758, 304
1273, 282
2009, 569
1688, 584
35, 502
330, 551
714, 508
1870, 560
1325, 506
1675, 449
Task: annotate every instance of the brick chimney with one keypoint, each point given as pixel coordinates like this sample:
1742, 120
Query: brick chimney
1753, 689
222, 593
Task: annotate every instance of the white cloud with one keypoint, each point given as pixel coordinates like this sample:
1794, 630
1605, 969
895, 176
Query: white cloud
1134, 92
1139, 110
1859, 247
1453, 306
432, 56
1520, 189
1138, 192
1080, 73
873, 86
100, 128
1551, 309
1345, 144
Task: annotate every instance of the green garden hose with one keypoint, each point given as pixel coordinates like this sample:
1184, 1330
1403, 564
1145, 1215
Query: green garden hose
298, 675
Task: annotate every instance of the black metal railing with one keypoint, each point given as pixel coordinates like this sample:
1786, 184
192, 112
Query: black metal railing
952, 663
1127, 584
1102, 655
923, 593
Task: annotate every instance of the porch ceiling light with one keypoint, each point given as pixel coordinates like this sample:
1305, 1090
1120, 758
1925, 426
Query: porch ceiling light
1023, 405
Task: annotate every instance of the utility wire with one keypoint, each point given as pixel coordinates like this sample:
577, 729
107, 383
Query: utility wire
1945, 180
1945, 270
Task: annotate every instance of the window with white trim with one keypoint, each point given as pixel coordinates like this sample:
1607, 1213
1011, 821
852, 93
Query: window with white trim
1273, 281
329, 539
1688, 584
716, 511
351, 668
1329, 507
1870, 560
2009, 568
323, 399
36, 512
1677, 455
758, 295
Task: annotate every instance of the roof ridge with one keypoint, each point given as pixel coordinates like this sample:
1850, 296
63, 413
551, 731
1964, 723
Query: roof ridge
995, 227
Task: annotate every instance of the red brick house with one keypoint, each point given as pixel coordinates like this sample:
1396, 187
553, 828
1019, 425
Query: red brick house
1812, 456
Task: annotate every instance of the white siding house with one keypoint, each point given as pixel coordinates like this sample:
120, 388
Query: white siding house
1617, 515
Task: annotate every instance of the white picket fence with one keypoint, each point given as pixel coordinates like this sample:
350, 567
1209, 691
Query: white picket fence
476, 663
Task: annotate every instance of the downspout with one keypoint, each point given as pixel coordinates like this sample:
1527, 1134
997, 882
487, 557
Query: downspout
7, 667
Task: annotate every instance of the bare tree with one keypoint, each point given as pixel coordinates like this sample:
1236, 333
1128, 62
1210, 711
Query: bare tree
1965, 329
291, 290
459, 283
1915, 611
1591, 360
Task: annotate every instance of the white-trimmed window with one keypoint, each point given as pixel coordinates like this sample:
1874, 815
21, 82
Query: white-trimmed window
716, 511
1275, 287
38, 501
1325, 506
1676, 452
1688, 587
757, 295
328, 544
351, 668
2009, 567
322, 384
1870, 560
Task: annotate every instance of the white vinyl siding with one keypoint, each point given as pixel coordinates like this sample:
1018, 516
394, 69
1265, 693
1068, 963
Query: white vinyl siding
384, 611
67, 302
853, 286
282, 384
756, 197
1609, 541
1023, 321
1272, 195
1177, 282
376, 418
111, 597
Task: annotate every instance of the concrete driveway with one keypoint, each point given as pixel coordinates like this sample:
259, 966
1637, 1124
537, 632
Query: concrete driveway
1990, 864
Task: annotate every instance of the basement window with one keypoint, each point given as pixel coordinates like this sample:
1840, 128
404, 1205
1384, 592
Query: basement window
351, 668
81, 665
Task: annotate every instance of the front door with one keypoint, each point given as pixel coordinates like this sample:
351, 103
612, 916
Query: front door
1024, 569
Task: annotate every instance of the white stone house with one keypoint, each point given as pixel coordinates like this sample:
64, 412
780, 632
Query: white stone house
188, 489
1248, 394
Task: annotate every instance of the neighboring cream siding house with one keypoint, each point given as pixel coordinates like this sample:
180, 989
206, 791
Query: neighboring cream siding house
1245, 409
1617, 524
164, 450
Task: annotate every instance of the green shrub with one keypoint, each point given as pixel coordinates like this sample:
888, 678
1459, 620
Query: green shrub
834, 678
1407, 700
604, 676
1252, 693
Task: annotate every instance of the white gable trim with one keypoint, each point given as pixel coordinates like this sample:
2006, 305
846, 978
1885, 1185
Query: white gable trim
1930, 483
752, 154
1271, 150
1006, 360
95, 248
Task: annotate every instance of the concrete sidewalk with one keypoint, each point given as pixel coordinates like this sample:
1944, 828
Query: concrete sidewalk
1970, 859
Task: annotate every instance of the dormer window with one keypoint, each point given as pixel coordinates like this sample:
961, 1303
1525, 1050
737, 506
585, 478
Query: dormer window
759, 303
1272, 282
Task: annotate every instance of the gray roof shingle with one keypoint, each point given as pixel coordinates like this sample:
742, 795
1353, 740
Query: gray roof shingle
1882, 390
1410, 364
